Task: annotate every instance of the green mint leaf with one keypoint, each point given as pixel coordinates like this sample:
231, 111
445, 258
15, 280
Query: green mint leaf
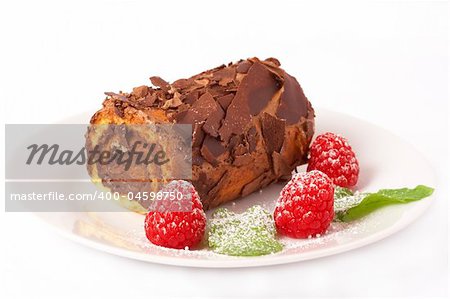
251, 233
340, 192
370, 202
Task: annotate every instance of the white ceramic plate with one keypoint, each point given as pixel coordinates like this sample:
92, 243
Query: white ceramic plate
385, 160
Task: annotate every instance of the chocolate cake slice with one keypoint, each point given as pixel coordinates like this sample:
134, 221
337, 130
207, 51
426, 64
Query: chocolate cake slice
252, 124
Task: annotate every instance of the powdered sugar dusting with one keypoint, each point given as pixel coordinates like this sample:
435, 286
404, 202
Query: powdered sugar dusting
338, 233
133, 236
344, 203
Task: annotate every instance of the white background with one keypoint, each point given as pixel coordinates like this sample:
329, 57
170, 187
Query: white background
386, 62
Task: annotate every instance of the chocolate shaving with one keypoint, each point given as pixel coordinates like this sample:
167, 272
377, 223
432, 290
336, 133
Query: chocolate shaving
233, 143
148, 100
219, 185
199, 111
273, 132
191, 97
116, 96
182, 83
197, 158
202, 82
158, 82
263, 89
212, 149
254, 93
225, 100
213, 121
293, 102
243, 66
198, 135
224, 76
217, 90
140, 92
275, 62
173, 102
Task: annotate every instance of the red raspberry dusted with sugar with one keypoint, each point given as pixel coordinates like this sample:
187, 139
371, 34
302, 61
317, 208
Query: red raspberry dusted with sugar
176, 223
331, 154
305, 206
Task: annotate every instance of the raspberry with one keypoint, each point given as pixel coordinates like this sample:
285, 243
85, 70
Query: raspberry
332, 155
305, 205
175, 228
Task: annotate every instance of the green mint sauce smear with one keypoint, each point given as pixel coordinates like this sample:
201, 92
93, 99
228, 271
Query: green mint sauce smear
251, 233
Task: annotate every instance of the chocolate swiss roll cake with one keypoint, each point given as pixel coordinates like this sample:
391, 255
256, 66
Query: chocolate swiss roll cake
251, 126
